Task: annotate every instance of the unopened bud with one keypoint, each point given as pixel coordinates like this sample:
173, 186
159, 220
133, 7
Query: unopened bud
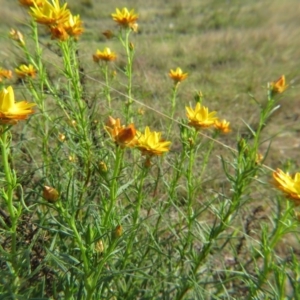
50, 194
99, 247
141, 111
117, 232
61, 137
134, 27
131, 46
102, 167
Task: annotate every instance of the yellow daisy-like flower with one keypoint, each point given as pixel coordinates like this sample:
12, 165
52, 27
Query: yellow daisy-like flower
278, 86
105, 55
222, 126
200, 117
177, 75
73, 27
288, 184
151, 143
24, 71
50, 14
122, 135
5, 74
31, 2
17, 36
11, 112
125, 18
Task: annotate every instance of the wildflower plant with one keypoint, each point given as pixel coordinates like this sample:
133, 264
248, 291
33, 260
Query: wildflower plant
95, 205
126, 21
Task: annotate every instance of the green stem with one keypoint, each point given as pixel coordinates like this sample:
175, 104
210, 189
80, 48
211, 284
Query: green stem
207, 154
129, 55
114, 184
107, 87
173, 103
11, 183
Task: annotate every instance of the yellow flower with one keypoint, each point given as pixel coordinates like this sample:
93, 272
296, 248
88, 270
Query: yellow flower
105, 55
17, 36
278, 86
125, 18
50, 194
123, 136
11, 112
222, 126
288, 184
5, 74
177, 75
62, 31
151, 143
24, 71
50, 14
200, 117
31, 2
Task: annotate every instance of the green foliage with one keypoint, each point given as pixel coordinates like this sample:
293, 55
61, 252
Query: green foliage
188, 224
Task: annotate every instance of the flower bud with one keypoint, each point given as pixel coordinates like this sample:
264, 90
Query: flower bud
102, 167
61, 137
50, 194
117, 232
99, 247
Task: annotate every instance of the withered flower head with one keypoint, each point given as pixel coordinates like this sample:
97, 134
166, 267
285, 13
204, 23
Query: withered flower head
123, 136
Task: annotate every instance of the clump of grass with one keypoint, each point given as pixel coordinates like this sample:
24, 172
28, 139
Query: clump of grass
113, 210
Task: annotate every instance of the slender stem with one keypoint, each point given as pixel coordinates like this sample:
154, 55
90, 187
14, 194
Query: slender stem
114, 184
173, 103
14, 212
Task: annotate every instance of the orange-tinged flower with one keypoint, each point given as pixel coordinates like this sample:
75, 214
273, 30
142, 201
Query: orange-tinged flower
73, 27
278, 86
125, 18
5, 74
11, 112
222, 126
151, 143
50, 194
288, 184
50, 14
177, 75
200, 117
105, 55
123, 136
58, 33
17, 36
24, 71
31, 2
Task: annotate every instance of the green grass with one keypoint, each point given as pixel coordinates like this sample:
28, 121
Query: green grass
203, 221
